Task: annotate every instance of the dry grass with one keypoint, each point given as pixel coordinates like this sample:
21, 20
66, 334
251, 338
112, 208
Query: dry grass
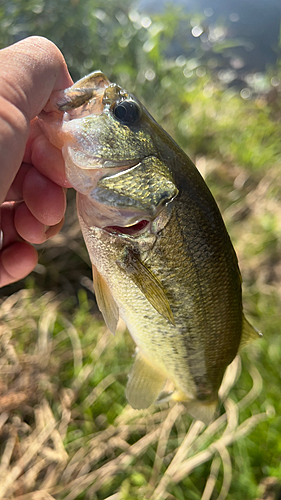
38, 462
47, 452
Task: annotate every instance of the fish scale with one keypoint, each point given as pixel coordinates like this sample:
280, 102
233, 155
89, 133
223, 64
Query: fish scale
162, 258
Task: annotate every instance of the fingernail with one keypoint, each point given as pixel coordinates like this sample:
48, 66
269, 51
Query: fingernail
53, 230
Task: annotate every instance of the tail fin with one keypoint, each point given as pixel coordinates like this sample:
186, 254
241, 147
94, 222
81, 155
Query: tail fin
205, 413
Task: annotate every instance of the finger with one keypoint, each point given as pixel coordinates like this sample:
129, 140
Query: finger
30, 70
44, 156
30, 229
45, 199
49, 160
15, 191
10, 234
16, 262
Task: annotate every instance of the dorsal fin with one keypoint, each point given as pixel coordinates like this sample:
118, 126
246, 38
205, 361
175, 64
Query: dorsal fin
105, 301
148, 284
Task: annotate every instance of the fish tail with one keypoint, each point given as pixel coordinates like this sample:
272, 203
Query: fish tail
198, 410
204, 412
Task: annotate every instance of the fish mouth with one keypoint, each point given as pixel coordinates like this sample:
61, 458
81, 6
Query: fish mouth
84, 97
132, 230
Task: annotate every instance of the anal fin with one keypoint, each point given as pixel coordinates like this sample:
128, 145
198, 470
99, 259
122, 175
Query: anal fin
144, 384
105, 301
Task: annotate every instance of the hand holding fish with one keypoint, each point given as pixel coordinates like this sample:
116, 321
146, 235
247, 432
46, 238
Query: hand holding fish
32, 174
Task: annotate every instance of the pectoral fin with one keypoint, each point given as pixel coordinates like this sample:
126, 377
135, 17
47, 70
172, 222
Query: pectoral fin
249, 333
105, 301
148, 284
144, 384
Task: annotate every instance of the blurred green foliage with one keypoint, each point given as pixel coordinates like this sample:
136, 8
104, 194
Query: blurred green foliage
140, 52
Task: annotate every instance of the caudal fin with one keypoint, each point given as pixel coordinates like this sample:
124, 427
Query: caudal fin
205, 413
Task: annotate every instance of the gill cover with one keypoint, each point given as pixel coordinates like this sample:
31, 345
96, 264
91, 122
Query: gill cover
143, 189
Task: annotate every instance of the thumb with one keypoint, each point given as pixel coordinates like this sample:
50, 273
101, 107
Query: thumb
30, 70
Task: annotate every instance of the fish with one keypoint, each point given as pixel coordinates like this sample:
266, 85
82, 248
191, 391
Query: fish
162, 258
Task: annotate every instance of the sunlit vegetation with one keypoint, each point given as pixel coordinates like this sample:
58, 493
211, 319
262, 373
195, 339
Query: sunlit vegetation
66, 430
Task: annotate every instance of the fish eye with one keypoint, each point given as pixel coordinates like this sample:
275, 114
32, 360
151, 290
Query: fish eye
127, 112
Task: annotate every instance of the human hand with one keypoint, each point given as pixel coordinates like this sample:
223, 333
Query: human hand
32, 176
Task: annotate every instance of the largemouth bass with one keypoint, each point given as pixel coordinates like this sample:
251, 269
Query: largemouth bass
162, 258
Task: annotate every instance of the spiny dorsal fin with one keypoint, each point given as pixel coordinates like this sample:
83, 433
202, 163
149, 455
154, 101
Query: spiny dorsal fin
148, 284
249, 333
105, 301
144, 383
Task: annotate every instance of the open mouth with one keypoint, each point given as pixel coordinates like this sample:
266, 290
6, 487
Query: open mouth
132, 230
